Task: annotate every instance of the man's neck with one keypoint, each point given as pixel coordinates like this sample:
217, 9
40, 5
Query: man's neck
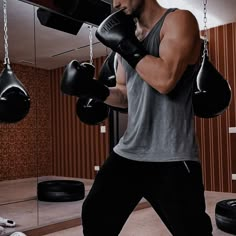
151, 14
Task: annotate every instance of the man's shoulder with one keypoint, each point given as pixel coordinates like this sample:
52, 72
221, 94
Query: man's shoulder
180, 18
181, 15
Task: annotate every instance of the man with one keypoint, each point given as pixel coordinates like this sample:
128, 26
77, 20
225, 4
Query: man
157, 157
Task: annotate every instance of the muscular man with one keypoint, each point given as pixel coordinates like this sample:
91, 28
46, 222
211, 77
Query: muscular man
157, 158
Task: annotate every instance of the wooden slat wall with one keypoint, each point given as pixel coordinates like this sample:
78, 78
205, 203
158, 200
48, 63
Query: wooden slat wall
216, 144
76, 147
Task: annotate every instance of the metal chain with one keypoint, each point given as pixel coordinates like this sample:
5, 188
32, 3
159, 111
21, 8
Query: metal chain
6, 59
205, 50
91, 44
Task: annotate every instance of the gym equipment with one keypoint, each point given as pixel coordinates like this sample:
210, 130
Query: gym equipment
59, 22
60, 190
91, 111
7, 223
212, 92
77, 80
117, 32
225, 215
14, 99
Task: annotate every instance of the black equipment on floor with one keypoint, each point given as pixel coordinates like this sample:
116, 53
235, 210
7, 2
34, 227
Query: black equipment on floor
225, 215
60, 190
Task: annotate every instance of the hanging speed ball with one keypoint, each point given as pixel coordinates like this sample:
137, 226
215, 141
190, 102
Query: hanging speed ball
14, 99
212, 93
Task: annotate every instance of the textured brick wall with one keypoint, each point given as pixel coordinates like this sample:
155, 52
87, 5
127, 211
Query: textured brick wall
25, 146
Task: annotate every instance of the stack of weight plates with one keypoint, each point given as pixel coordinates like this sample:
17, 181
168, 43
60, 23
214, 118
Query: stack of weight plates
225, 215
60, 190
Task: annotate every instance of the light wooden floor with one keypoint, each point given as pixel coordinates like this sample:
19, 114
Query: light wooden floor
146, 222
29, 213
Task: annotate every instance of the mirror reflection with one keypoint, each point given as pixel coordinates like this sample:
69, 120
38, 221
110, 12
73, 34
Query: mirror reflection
18, 137
48, 146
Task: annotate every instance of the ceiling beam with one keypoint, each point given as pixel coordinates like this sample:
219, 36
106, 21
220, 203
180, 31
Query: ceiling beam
86, 11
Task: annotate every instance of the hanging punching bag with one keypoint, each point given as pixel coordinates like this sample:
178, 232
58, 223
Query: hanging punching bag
14, 99
212, 93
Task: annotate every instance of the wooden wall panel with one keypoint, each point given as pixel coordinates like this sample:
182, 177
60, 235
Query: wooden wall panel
66, 147
76, 147
216, 146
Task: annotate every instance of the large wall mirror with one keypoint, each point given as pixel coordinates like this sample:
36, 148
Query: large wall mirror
19, 141
50, 143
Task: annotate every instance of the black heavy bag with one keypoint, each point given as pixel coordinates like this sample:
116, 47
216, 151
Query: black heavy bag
212, 93
14, 99
91, 111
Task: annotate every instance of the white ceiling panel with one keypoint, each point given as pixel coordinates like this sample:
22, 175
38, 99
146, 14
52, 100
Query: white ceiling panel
31, 43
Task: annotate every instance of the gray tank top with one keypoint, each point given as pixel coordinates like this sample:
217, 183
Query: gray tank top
160, 127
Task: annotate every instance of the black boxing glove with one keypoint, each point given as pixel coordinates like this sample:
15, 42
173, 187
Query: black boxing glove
91, 111
117, 32
77, 80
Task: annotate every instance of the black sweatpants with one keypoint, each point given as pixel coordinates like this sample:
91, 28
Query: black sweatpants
174, 189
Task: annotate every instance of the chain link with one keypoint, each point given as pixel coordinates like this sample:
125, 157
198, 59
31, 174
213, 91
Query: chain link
91, 44
205, 50
6, 59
